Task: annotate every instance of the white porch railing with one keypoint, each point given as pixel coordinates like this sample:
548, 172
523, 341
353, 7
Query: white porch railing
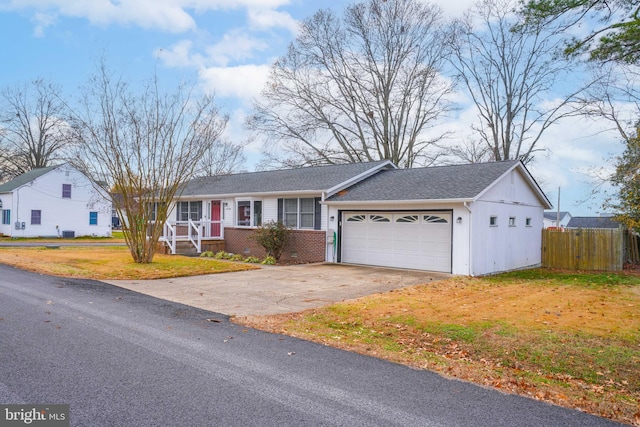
191, 231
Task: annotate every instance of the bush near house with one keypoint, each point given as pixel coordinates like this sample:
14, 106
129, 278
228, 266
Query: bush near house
273, 236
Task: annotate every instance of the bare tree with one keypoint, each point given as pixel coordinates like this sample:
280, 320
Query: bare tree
358, 87
222, 158
143, 146
34, 127
510, 76
471, 151
615, 96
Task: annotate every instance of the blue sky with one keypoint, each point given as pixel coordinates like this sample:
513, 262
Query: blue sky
228, 46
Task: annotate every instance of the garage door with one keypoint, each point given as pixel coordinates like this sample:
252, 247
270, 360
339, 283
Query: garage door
417, 240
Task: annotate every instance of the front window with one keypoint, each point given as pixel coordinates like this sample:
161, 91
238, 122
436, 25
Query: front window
249, 213
36, 217
189, 211
66, 191
244, 213
6, 217
299, 213
93, 218
493, 221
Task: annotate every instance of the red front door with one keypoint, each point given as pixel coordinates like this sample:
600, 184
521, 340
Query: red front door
215, 216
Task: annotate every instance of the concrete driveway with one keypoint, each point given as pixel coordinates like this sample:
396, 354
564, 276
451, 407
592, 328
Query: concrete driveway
279, 289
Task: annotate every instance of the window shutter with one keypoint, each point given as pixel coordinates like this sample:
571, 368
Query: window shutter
318, 213
281, 210
178, 211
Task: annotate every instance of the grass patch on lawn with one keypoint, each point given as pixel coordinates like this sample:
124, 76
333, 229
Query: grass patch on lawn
565, 337
110, 263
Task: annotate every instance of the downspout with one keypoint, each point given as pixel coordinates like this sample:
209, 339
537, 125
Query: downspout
470, 259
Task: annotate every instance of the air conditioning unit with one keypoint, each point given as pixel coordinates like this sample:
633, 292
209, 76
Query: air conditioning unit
67, 234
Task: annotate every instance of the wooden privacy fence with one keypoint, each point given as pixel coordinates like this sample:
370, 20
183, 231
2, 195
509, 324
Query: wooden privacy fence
584, 249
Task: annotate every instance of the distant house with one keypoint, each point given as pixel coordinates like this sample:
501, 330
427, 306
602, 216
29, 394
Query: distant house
551, 219
464, 219
593, 222
56, 201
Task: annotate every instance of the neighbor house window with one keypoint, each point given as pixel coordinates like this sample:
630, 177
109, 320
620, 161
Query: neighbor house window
66, 191
299, 213
6, 216
493, 221
512, 221
153, 210
189, 211
36, 217
249, 213
93, 218
527, 222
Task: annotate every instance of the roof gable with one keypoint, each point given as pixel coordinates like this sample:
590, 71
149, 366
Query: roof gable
455, 182
552, 215
312, 179
25, 178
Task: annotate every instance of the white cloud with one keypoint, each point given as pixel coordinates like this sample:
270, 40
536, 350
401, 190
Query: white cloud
235, 45
165, 15
262, 19
244, 81
179, 55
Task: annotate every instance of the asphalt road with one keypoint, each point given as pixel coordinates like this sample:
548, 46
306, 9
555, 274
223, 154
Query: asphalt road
120, 358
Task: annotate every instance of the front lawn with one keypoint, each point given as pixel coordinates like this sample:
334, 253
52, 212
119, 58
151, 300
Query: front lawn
569, 338
110, 263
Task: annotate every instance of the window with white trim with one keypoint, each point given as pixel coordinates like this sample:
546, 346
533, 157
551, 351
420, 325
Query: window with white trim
66, 191
249, 213
299, 213
407, 218
512, 221
189, 211
527, 222
6, 216
93, 218
36, 217
493, 221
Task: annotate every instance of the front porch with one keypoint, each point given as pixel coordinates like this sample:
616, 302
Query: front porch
192, 237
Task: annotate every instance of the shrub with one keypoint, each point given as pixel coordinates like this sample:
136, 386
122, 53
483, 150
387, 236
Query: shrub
269, 261
223, 255
236, 257
253, 259
207, 254
273, 237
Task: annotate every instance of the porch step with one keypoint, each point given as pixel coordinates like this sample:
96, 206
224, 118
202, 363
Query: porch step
185, 248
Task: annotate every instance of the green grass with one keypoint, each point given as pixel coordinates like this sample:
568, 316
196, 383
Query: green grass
591, 280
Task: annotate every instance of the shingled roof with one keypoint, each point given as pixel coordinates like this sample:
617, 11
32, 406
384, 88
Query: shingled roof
553, 215
592, 222
312, 179
431, 183
25, 178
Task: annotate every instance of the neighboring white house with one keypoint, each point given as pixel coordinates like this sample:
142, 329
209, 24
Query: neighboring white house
472, 219
56, 201
556, 219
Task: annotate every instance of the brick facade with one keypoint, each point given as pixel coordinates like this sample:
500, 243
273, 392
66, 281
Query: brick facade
304, 246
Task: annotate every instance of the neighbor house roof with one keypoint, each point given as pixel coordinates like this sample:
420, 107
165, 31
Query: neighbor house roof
312, 179
592, 222
553, 216
25, 178
431, 183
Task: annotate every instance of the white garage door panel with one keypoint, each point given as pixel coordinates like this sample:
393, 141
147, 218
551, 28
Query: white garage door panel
418, 240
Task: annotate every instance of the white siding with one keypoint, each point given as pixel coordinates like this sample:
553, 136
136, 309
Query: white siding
60, 214
7, 204
504, 247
